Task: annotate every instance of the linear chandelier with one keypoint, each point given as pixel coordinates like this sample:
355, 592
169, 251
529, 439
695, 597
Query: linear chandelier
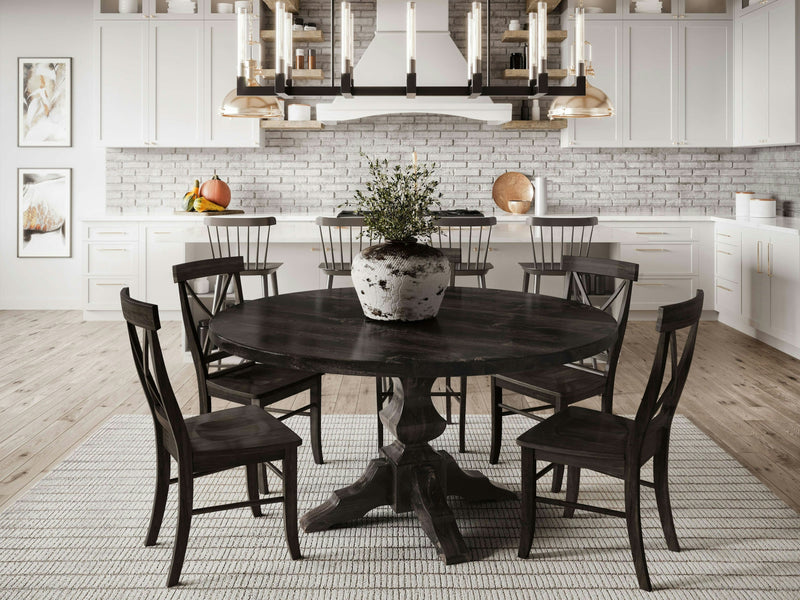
538, 85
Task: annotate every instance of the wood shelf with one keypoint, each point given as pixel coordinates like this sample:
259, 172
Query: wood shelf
533, 5
300, 37
291, 5
292, 125
298, 74
544, 125
553, 74
521, 36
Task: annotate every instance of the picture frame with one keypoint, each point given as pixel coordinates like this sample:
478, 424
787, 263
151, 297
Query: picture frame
44, 213
44, 99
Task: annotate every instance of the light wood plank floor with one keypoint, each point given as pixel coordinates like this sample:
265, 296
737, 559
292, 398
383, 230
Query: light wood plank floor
62, 377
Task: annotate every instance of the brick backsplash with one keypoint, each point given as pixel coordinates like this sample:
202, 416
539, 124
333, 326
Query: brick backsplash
315, 171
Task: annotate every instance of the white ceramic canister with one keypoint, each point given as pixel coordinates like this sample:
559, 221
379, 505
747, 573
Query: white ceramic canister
743, 203
540, 200
763, 208
298, 112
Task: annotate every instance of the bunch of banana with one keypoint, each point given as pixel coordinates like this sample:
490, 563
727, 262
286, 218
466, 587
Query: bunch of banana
193, 201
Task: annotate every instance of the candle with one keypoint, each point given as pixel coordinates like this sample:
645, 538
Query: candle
542, 37
470, 44
345, 33
411, 37
532, 62
278, 37
288, 40
477, 42
579, 41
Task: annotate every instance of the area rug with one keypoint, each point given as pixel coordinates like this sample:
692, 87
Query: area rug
79, 533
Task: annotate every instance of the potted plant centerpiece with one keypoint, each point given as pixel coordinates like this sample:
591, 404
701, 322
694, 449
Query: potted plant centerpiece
400, 279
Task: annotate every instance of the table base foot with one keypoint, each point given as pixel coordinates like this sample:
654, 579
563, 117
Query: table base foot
472, 486
430, 504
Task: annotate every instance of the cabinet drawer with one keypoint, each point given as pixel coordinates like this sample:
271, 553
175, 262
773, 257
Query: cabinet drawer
113, 233
111, 259
728, 234
728, 297
103, 293
660, 259
657, 233
649, 294
729, 262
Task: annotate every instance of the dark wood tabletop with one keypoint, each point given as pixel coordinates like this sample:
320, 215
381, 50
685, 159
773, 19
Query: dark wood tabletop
477, 332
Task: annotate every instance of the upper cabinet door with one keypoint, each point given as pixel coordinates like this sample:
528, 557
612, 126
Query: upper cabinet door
650, 104
176, 75
754, 67
606, 40
220, 47
706, 52
121, 51
782, 86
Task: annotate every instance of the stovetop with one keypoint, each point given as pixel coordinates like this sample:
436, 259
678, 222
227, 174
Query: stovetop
453, 212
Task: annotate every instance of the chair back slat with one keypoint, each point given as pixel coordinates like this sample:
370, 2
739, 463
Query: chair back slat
143, 323
231, 236
470, 235
558, 234
342, 239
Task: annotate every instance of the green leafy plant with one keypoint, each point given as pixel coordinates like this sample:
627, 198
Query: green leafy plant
398, 201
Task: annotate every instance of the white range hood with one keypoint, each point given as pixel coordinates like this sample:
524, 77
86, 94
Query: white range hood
439, 63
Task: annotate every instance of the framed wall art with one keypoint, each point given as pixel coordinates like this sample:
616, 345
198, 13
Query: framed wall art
45, 102
44, 209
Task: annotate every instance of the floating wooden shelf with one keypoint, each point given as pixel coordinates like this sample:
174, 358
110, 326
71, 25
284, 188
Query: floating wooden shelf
298, 74
291, 5
521, 36
533, 5
301, 37
292, 125
554, 74
544, 125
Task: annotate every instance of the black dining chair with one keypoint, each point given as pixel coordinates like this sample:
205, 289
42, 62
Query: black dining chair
617, 446
205, 444
552, 238
558, 387
246, 382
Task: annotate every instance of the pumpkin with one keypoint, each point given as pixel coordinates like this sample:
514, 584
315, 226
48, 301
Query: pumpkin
217, 191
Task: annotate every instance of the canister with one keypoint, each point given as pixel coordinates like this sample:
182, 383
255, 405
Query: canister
762, 208
743, 203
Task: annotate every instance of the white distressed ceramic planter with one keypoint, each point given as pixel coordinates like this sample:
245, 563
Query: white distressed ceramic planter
400, 281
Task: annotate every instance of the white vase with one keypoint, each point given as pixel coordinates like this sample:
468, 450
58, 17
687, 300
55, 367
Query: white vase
399, 281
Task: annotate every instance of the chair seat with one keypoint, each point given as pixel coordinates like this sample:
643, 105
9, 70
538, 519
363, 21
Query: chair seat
254, 382
542, 268
341, 269
237, 436
582, 436
266, 269
467, 269
566, 383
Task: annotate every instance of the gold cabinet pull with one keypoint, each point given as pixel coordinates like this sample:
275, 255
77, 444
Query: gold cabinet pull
652, 250
652, 233
722, 287
723, 252
111, 233
758, 257
651, 284
115, 284
769, 259
724, 234
112, 249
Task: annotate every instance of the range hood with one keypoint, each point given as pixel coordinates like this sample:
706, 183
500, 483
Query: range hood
439, 63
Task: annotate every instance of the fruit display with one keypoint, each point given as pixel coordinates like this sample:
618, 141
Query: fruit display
189, 197
217, 191
205, 205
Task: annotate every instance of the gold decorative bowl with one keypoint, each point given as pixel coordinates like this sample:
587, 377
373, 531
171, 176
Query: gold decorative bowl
519, 207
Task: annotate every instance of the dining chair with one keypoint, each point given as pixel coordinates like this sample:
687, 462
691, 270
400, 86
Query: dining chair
205, 444
470, 238
617, 446
558, 387
246, 383
247, 237
552, 238
342, 238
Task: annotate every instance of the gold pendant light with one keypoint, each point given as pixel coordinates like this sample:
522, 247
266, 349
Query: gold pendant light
594, 104
254, 107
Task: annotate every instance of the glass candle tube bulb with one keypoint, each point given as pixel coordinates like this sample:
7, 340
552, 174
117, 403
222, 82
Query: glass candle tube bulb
532, 49
411, 37
542, 36
477, 42
288, 40
580, 39
279, 20
470, 49
242, 41
344, 34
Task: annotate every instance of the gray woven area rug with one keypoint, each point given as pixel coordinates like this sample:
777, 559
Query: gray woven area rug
79, 532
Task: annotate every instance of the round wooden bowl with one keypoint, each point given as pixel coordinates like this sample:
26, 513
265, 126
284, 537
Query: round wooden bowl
512, 186
519, 207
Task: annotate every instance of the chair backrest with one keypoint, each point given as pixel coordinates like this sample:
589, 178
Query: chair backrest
194, 309
247, 237
143, 325
470, 235
617, 304
342, 238
657, 408
572, 236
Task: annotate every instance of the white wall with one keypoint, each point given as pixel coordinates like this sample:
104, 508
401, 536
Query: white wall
57, 28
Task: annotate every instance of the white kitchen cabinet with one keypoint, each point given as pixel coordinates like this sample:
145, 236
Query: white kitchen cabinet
165, 246
606, 40
705, 83
766, 76
650, 105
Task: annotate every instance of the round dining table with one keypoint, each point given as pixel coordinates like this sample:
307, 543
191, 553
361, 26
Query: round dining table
477, 332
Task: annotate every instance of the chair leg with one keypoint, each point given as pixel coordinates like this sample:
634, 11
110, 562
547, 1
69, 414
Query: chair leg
273, 277
526, 281
316, 420
558, 470
186, 491
452, 275
160, 496
448, 414
573, 486
661, 480
634, 523
261, 469
607, 403
537, 284
497, 420
264, 286
482, 279
462, 416
290, 501
251, 474
378, 407
527, 503
330, 282
205, 405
